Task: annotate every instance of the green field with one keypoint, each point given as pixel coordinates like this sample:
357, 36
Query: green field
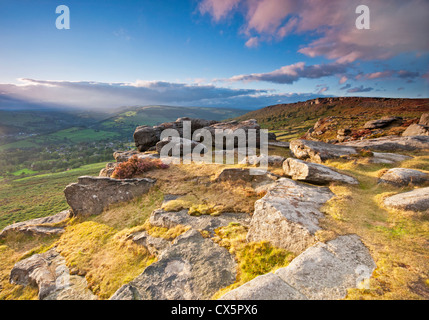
77, 135
70, 135
23, 172
38, 196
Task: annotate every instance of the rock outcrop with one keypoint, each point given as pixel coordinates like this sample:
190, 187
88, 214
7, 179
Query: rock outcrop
388, 158
416, 130
265, 287
146, 137
275, 161
92, 195
49, 273
122, 156
164, 219
314, 173
155, 245
108, 170
343, 134
318, 151
322, 272
41, 226
383, 122
282, 144
416, 200
402, 177
392, 143
192, 268
180, 144
255, 176
229, 128
424, 119
288, 215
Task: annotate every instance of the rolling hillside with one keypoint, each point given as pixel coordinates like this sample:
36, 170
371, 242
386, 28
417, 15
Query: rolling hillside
32, 128
291, 121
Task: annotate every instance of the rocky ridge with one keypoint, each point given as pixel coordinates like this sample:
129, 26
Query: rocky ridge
195, 267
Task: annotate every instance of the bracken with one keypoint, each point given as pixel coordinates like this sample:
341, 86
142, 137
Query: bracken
135, 166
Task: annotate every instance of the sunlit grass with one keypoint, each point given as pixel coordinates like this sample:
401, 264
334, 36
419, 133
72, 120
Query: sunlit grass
397, 239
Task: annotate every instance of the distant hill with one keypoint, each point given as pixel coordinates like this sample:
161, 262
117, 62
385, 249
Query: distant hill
30, 128
293, 120
128, 119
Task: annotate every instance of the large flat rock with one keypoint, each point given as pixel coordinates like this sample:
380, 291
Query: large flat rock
314, 173
266, 287
92, 195
383, 122
317, 151
40, 226
164, 219
192, 268
392, 143
326, 271
388, 158
288, 215
416, 200
255, 176
322, 272
275, 161
401, 177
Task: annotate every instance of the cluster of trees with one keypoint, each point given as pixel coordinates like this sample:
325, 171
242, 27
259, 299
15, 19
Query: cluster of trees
57, 158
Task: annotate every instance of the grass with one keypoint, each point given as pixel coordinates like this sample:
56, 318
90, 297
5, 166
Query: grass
13, 249
132, 214
165, 233
396, 239
253, 259
38, 196
292, 120
23, 172
195, 182
77, 135
101, 253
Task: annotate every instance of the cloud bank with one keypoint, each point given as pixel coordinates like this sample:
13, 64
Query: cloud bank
105, 96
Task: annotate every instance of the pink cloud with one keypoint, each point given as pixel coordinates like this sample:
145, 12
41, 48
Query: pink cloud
377, 75
396, 27
219, 9
322, 90
265, 16
343, 80
252, 42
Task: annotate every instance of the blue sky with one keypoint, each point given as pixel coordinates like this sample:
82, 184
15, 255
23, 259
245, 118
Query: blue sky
220, 53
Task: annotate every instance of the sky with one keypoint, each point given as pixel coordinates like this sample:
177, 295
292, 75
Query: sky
219, 53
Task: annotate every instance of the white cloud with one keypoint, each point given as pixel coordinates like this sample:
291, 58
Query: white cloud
104, 96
